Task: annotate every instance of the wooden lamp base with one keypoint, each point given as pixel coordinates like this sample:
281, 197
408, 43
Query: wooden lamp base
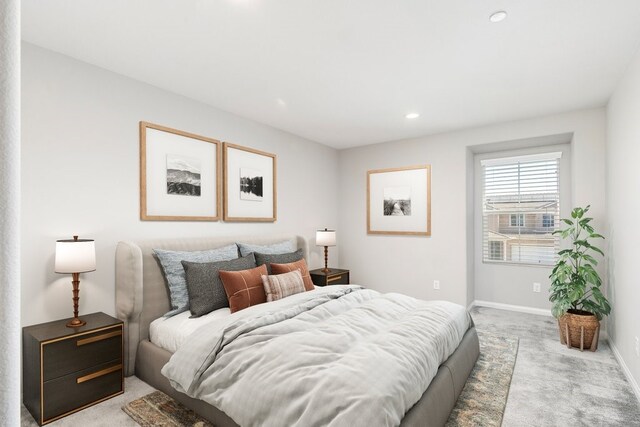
75, 322
326, 260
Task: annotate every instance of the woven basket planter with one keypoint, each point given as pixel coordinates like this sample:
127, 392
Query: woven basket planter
579, 329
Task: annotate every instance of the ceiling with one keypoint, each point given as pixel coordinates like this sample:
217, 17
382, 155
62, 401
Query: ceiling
346, 72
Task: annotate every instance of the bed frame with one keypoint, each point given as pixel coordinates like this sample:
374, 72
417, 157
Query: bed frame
142, 296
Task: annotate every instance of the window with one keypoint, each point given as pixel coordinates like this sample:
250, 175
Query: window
520, 204
517, 220
496, 250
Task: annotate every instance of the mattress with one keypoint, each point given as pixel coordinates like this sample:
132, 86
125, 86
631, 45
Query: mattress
170, 333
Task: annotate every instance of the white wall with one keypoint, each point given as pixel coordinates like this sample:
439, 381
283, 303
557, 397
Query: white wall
80, 168
10, 336
410, 264
623, 205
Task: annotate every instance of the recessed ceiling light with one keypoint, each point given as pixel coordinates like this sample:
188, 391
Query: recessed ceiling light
412, 116
498, 16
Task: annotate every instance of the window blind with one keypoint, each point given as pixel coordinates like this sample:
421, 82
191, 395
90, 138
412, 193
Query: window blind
521, 209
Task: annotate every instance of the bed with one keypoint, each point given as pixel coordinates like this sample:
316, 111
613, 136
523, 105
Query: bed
142, 297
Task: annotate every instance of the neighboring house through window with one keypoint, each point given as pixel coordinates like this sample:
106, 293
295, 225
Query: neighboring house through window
520, 203
517, 220
496, 250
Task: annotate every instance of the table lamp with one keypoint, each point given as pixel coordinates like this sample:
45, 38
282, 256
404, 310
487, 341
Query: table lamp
75, 256
326, 238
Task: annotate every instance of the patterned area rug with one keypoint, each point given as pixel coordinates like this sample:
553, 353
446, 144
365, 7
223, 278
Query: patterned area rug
481, 403
484, 396
158, 409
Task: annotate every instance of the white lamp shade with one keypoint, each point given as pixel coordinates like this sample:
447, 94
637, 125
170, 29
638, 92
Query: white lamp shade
326, 237
75, 256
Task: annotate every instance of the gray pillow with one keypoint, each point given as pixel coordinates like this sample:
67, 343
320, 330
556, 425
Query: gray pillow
274, 248
277, 258
174, 272
206, 292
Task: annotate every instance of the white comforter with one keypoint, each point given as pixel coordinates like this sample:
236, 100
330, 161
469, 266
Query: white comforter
339, 356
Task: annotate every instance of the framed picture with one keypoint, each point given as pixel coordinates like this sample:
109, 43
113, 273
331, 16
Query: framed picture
249, 184
399, 201
180, 175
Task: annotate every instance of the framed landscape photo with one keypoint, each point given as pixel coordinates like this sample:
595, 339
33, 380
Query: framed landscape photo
249, 184
399, 201
180, 175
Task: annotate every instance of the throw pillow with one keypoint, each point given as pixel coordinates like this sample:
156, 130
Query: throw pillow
274, 248
298, 265
269, 259
282, 285
205, 289
171, 263
244, 288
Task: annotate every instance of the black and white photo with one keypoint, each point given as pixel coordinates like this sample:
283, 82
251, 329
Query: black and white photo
251, 184
397, 201
180, 175
183, 175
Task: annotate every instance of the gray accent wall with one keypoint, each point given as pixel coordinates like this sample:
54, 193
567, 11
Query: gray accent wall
410, 264
80, 174
623, 205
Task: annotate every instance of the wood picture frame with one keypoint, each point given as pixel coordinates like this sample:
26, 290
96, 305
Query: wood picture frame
180, 175
399, 201
250, 184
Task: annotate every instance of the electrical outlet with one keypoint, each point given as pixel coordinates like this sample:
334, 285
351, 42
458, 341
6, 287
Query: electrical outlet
637, 347
536, 287
436, 284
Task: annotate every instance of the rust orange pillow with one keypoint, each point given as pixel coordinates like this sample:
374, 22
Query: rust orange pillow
244, 288
293, 266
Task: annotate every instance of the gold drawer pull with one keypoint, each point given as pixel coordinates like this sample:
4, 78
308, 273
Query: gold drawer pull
101, 373
334, 278
98, 338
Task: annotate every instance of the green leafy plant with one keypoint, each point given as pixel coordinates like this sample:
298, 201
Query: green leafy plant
575, 283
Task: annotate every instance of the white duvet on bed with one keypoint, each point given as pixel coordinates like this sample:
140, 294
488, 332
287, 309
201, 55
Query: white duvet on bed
170, 332
337, 356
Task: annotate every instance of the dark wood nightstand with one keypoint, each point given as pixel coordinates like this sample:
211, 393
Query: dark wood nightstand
334, 276
68, 369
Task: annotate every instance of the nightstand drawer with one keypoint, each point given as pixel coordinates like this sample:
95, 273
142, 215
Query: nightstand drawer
334, 276
72, 392
339, 279
76, 353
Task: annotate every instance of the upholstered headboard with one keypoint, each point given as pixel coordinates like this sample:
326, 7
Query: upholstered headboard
141, 290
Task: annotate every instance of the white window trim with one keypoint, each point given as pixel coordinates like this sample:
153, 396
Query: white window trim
528, 158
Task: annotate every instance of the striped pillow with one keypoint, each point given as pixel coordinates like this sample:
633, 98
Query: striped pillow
298, 265
282, 285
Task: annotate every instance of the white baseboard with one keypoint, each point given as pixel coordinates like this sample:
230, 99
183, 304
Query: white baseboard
625, 369
510, 307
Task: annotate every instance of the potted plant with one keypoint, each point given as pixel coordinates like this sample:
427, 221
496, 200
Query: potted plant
578, 302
